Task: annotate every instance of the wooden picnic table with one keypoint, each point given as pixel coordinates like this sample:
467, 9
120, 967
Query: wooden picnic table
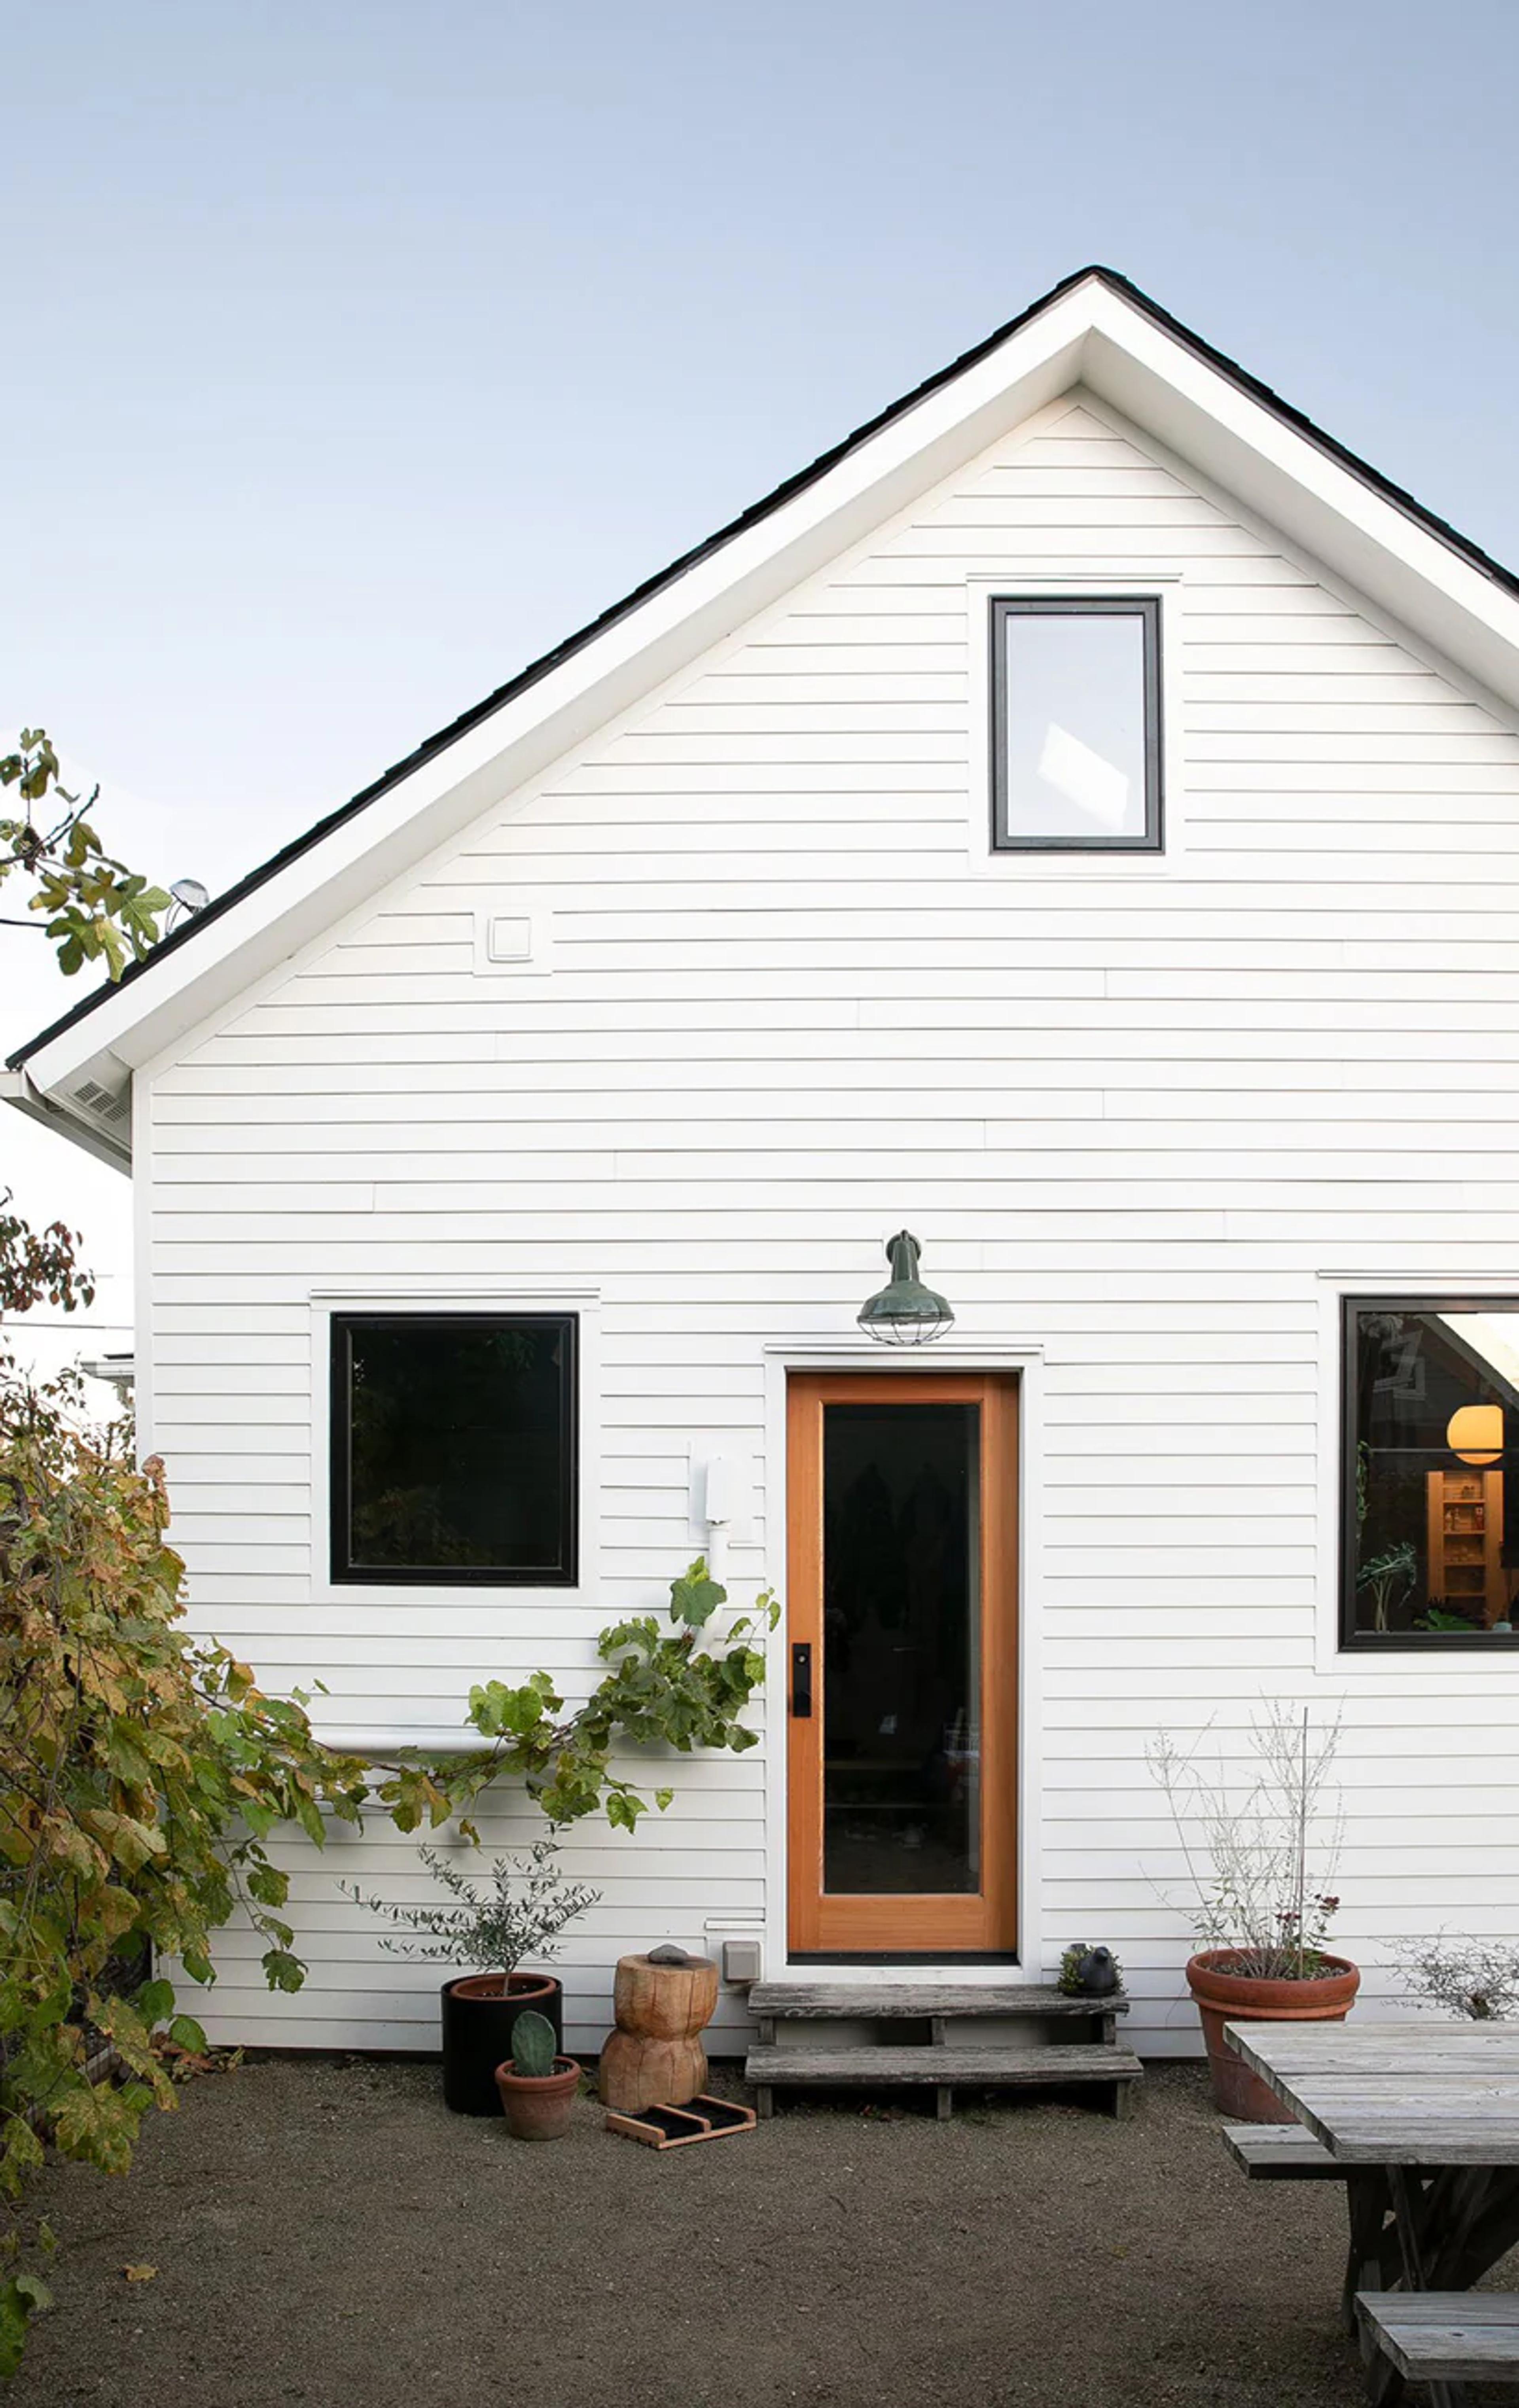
1425, 2118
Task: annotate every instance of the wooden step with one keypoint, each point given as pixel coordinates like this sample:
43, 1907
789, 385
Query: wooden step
869, 2002
1446, 2336
992, 2067
1281, 2153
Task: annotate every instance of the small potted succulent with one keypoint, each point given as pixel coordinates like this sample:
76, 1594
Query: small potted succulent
1260, 1863
536, 2084
1088, 1973
522, 1914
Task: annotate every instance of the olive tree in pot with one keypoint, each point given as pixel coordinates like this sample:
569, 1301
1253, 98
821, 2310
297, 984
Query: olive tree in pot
522, 1913
537, 2086
1260, 1865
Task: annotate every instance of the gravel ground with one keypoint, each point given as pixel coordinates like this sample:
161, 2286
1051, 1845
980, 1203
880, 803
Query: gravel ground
326, 2233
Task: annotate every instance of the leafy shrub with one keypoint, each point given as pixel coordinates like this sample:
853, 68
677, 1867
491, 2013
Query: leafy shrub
141, 1771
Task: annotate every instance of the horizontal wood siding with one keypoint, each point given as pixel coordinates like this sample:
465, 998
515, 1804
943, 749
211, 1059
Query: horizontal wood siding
1133, 1109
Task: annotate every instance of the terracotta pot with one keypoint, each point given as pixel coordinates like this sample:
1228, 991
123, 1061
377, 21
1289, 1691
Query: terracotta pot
537, 2105
1225, 1996
479, 2013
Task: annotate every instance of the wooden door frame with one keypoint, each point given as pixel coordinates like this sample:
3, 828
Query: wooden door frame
936, 1928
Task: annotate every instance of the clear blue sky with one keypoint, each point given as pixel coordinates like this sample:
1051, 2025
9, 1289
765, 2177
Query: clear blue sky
358, 351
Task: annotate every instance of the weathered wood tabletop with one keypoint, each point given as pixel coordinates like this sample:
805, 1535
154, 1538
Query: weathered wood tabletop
1425, 2117
1406, 2094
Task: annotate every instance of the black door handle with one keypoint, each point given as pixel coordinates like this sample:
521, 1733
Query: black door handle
801, 1682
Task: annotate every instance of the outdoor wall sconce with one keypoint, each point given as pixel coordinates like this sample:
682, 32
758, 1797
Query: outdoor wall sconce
1474, 1434
904, 1313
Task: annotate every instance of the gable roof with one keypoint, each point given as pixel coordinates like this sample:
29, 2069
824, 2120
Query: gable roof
1105, 345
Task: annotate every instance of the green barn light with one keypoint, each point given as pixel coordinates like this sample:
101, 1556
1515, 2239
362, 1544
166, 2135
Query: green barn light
904, 1313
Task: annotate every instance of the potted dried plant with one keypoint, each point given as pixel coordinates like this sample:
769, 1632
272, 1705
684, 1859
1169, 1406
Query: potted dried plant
536, 2084
1260, 1866
521, 1914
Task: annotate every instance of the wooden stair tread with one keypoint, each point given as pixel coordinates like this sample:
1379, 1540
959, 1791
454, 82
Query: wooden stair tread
990, 2065
1446, 2336
841, 2001
1281, 2153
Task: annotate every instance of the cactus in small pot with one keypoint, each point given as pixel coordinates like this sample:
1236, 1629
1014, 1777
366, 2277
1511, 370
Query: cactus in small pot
532, 2046
537, 2087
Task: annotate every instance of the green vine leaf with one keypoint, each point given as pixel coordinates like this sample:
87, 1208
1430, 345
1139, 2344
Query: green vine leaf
695, 1598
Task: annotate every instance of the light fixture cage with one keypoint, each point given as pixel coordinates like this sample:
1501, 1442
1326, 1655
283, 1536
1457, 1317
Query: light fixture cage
905, 1312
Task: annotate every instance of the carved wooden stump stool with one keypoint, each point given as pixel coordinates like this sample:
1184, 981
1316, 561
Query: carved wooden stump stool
654, 2059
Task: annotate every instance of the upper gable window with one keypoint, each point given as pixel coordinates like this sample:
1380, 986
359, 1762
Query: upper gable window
453, 1447
1076, 725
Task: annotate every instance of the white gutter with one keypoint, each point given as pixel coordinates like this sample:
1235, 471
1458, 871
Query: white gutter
16, 1088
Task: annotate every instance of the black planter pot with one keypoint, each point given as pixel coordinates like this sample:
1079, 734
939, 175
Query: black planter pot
478, 2021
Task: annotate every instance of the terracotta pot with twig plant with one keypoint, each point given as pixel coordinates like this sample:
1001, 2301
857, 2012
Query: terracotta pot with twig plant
1259, 1868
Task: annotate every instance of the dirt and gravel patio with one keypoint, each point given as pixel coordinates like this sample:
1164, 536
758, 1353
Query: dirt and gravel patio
325, 2233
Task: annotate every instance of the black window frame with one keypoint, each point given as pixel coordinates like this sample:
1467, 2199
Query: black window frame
1146, 609
1402, 1642
341, 1572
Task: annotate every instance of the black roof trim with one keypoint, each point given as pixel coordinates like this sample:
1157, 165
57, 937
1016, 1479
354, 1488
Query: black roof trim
758, 512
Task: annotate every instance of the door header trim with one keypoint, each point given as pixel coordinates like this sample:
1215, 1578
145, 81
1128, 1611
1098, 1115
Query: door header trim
856, 1354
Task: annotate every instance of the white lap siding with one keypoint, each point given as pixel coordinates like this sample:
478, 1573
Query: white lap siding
1134, 1110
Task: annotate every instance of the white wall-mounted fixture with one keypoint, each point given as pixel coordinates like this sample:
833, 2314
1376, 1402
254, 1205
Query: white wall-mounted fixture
514, 941
722, 1505
509, 939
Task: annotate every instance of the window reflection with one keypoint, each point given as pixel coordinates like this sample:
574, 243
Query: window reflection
453, 1447
1076, 723
901, 1649
1435, 1412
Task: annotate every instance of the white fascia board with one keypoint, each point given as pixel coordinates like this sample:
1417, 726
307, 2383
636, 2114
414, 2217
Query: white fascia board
1305, 492
444, 795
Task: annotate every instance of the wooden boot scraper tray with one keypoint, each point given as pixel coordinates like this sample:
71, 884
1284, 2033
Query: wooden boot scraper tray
702, 2118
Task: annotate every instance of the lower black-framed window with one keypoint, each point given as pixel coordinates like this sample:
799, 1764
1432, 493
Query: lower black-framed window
1076, 752
453, 1447
1431, 1437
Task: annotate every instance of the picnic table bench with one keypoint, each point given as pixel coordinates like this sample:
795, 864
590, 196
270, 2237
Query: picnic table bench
1422, 2123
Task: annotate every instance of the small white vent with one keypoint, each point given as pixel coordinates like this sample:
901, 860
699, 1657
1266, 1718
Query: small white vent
99, 1100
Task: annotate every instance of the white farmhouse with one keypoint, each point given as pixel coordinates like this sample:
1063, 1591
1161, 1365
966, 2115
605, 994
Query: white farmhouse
1072, 823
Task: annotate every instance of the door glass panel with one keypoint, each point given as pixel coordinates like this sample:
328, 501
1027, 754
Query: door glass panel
901, 1645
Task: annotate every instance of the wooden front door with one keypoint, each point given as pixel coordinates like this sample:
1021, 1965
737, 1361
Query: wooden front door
902, 1663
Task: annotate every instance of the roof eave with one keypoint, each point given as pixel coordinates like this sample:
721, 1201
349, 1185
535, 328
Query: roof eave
1319, 496
18, 1090
1095, 328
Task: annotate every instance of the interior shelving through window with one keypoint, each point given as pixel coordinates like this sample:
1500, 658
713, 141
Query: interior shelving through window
1431, 1552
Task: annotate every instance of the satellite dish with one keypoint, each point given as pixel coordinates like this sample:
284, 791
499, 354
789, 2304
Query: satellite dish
190, 896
